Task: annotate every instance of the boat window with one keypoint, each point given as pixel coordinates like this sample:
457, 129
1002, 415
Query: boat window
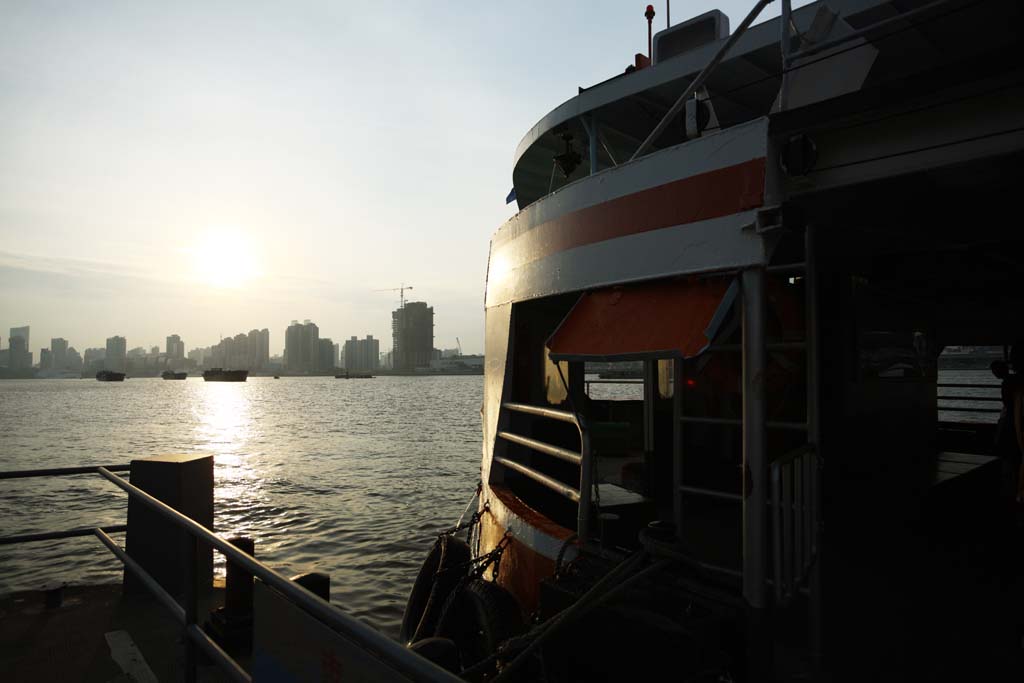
614, 381
554, 383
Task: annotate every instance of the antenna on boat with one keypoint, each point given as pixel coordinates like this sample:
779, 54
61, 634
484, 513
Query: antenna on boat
668, 14
650, 18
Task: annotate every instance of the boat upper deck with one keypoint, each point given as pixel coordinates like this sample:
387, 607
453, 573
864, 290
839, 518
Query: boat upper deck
885, 41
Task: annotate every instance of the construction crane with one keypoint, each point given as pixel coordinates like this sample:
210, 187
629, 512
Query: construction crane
401, 293
459, 344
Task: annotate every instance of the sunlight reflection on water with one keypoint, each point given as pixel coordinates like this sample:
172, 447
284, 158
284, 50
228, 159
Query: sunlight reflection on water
348, 477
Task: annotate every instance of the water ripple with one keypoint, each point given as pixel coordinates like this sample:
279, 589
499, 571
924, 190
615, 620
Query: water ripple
349, 478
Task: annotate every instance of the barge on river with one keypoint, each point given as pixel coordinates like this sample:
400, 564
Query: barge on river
786, 224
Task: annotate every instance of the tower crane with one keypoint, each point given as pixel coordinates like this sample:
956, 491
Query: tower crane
401, 293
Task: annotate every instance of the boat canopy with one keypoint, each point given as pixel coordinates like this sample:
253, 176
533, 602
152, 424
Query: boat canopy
662, 319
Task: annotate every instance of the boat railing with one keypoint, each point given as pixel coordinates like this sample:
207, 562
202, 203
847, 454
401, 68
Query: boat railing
673, 113
983, 404
582, 496
793, 538
399, 661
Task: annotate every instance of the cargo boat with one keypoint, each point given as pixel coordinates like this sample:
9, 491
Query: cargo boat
222, 375
170, 374
110, 376
785, 224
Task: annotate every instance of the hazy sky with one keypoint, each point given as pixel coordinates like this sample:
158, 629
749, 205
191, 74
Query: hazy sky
203, 168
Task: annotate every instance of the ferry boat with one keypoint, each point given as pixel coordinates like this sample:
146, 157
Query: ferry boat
170, 374
110, 376
785, 223
222, 375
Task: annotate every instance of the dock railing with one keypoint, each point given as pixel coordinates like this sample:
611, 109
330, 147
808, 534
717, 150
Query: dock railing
403, 663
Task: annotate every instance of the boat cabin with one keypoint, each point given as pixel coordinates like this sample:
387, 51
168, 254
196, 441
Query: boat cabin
723, 345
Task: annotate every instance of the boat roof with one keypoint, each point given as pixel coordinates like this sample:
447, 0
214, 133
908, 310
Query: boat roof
744, 86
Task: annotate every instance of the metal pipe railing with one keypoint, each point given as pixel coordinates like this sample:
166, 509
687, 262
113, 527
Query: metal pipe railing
970, 398
540, 411
62, 471
386, 651
56, 535
541, 447
541, 478
711, 493
162, 596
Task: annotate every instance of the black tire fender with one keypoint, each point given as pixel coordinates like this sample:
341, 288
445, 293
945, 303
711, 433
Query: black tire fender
437, 578
481, 617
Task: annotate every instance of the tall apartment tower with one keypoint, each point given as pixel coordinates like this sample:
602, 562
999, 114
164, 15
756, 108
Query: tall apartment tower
362, 355
412, 332
175, 348
301, 347
117, 354
259, 349
18, 355
325, 355
58, 353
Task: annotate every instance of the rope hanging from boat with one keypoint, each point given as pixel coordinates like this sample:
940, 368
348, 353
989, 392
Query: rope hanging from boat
515, 652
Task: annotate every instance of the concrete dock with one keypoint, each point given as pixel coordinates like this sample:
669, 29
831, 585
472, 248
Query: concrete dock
70, 643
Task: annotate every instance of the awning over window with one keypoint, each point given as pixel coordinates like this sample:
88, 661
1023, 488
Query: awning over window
664, 319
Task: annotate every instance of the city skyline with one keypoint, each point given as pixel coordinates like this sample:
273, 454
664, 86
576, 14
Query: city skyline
248, 169
175, 347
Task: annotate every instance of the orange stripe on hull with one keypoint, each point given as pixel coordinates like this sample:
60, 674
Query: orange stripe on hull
721, 192
522, 568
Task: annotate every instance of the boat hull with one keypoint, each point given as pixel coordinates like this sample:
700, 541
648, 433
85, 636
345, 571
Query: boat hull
532, 549
218, 375
110, 376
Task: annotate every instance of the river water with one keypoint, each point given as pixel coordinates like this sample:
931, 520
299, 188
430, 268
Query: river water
350, 477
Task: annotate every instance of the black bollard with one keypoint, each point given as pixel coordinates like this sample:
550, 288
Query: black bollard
238, 585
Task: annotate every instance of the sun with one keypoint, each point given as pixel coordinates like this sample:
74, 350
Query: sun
225, 259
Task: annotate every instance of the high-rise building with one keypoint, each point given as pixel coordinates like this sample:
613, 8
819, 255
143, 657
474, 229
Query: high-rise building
22, 332
18, 355
412, 334
45, 359
325, 357
175, 348
58, 353
74, 359
116, 357
259, 349
301, 347
362, 355
337, 356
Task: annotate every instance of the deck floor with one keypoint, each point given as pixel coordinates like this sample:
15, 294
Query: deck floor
68, 643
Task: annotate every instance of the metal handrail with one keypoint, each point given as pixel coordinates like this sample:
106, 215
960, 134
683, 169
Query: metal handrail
581, 496
541, 478
57, 535
541, 447
387, 651
62, 471
541, 411
970, 398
